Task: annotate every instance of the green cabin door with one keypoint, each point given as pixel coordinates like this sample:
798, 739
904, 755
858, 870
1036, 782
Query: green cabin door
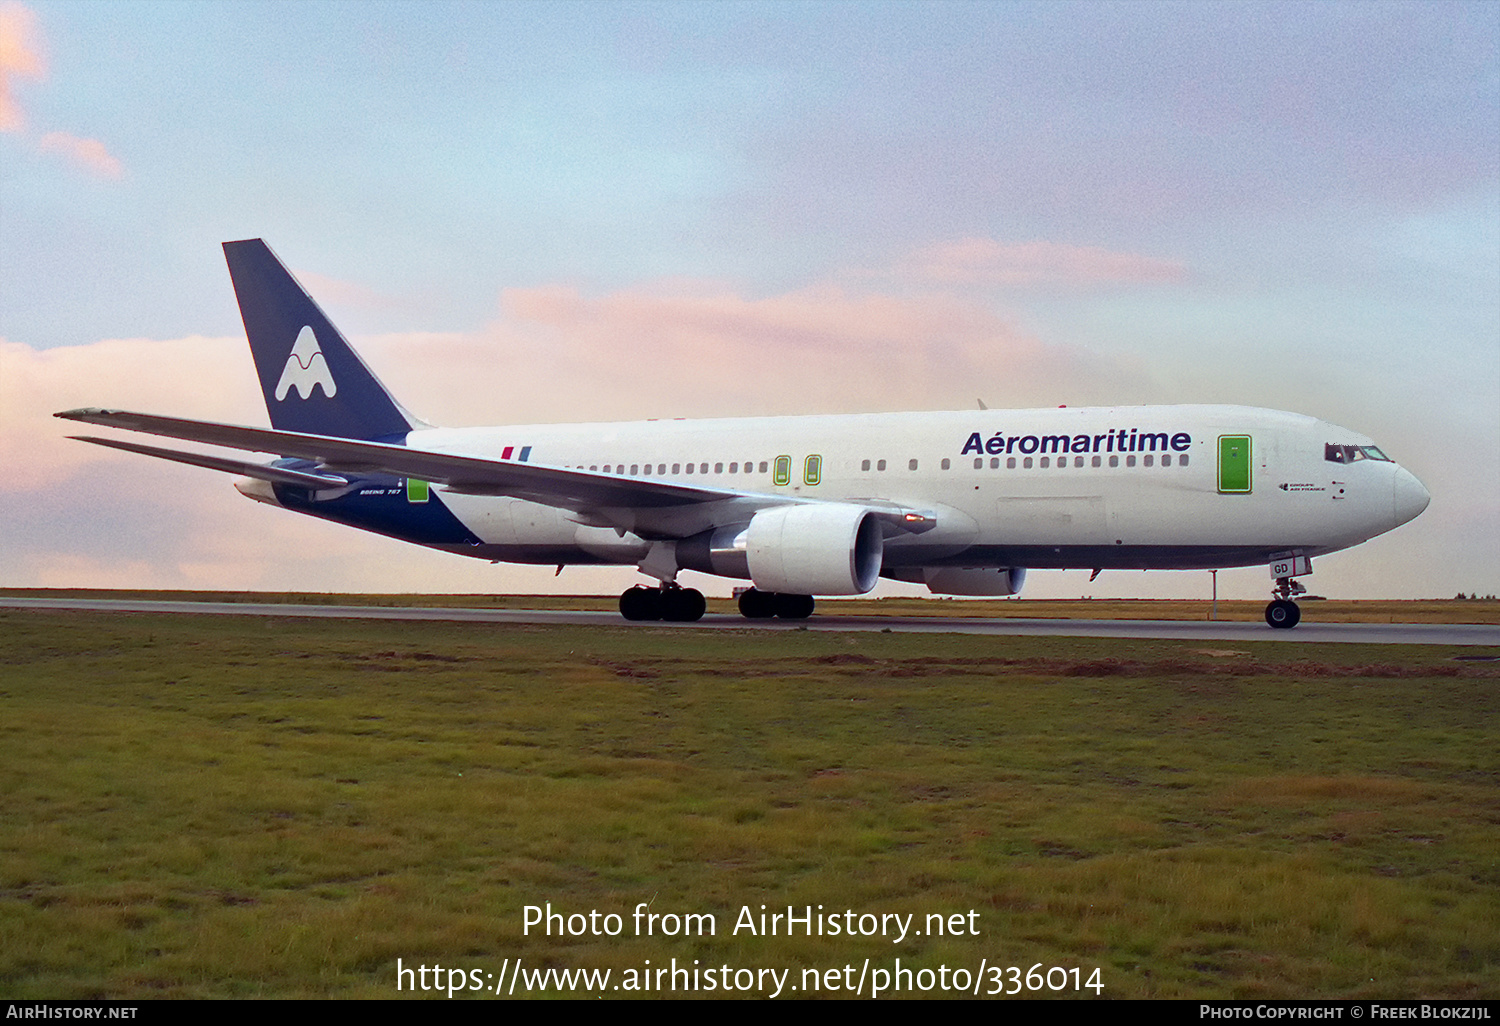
1234, 464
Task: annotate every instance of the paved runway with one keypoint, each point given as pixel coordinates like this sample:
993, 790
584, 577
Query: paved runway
1183, 630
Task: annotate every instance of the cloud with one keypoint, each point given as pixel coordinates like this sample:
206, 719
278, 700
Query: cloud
556, 354
89, 154
329, 291
19, 57
979, 261
209, 378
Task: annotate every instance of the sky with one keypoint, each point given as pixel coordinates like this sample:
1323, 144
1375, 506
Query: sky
558, 212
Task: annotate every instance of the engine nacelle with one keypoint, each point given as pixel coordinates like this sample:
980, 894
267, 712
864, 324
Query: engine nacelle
954, 580
816, 549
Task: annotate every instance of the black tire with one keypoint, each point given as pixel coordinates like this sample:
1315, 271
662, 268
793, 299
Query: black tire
641, 603
682, 605
1283, 614
794, 607
757, 605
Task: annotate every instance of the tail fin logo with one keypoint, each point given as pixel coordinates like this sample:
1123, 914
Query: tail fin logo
306, 369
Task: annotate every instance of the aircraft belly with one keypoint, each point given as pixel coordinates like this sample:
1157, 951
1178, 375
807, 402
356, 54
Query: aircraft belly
517, 531
1051, 519
512, 522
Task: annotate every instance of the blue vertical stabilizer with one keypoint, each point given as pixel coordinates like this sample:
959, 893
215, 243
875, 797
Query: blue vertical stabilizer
312, 380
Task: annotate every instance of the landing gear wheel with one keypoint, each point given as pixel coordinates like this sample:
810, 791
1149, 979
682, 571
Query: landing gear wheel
682, 605
794, 607
757, 605
674, 604
1283, 613
641, 603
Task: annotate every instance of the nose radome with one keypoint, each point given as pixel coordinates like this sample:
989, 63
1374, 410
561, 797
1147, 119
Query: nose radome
1409, 496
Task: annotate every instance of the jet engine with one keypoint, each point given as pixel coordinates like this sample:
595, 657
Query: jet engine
814, 549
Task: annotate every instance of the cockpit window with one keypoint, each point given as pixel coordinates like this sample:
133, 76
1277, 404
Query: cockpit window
1352, 453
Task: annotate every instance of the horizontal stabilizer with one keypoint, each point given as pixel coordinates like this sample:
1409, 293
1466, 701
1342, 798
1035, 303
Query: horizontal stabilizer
277, 475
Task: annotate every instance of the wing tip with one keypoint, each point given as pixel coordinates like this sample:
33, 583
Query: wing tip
85, 413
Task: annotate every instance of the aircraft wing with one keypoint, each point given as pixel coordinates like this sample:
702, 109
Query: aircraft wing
662, 508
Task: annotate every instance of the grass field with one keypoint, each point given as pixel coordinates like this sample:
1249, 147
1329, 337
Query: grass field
219, 807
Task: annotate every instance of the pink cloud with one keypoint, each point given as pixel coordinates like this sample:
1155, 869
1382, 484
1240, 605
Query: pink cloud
335, 290
90, 154
209, 378
19, 57
987, 262
555, 354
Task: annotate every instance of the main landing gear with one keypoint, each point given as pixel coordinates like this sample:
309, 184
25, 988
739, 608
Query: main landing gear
669, 602
1283, 612
762, 605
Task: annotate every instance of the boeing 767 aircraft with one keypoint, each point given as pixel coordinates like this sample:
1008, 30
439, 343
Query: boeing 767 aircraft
962, 502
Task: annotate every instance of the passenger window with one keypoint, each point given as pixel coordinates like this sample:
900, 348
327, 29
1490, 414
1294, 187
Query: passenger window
1130, 461
946, 464
689, 468
1114, 461
1166, 460
1147, 461
880, 464
1077, 461
912, 465
1010, 464
978, 463
595, 467
995, 463
703, 468
718, 468
734, 468
635, 469
1026, 463
762, 466
865, 465
677, 468
1046, 462
1182, 460
1096, 461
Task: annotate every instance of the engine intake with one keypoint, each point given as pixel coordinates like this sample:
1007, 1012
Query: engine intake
814, 549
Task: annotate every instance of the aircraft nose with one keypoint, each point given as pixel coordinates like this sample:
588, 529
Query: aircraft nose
1409, 496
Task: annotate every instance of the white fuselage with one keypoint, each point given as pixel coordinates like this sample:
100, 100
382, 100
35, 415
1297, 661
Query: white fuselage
1117, 487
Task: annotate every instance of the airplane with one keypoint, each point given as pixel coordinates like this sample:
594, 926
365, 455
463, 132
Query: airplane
963, 502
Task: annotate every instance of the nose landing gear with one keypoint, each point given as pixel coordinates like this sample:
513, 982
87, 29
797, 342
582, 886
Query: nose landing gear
1282, 612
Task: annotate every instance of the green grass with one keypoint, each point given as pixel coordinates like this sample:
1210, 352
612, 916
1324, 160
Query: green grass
205, 807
